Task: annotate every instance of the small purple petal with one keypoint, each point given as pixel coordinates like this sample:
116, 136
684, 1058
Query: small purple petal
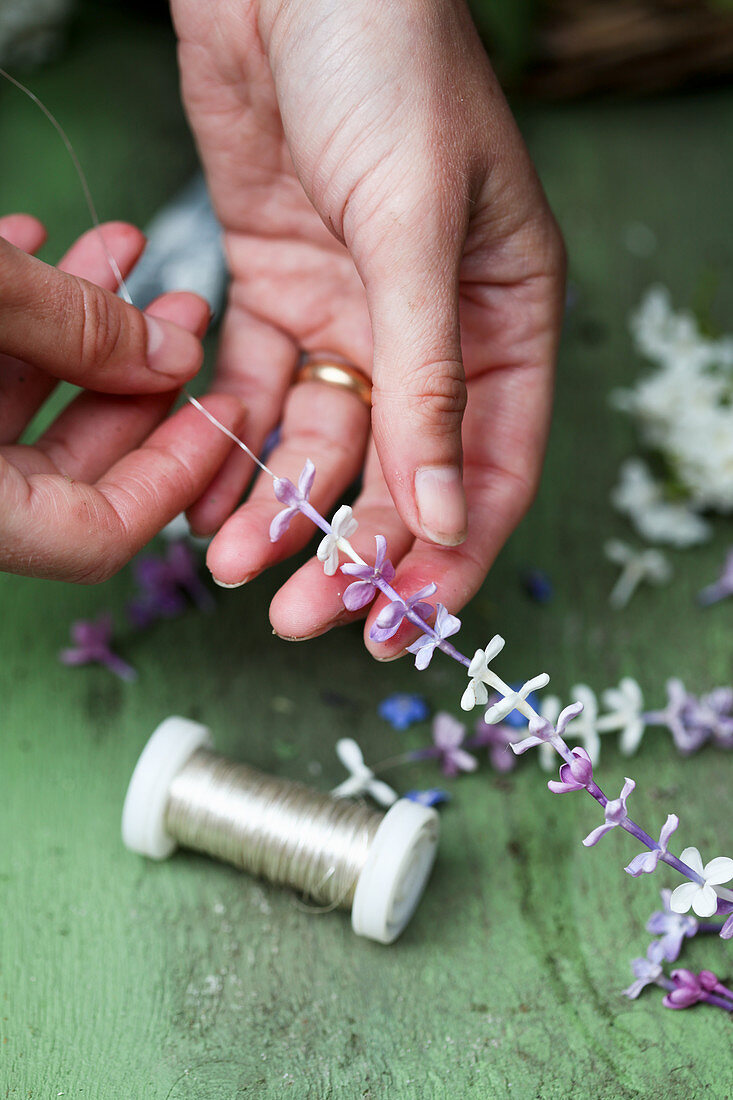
594, 836
280, 523
286, 492
305, 481
726, 932
358, 595
643, 864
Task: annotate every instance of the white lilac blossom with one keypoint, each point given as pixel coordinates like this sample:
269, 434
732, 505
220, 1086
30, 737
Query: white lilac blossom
343, 525
656, 519
477, 693
389, 619
515, 699
636, 566
701, 896
646, 862
361, 779
363, 590
614, 813
625, 705
445, 626
292, 498
683, 407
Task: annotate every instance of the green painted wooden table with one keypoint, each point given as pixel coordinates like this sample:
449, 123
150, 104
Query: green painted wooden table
126, 979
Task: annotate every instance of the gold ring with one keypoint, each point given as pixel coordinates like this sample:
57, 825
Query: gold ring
335, 372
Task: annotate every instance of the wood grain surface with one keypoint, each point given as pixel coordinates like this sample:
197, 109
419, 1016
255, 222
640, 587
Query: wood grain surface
123, 979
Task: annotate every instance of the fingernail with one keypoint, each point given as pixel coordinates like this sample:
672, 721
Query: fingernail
170, 350
441, 504
237, 584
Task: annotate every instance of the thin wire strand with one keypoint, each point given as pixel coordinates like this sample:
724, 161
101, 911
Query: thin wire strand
235, 439
122, 286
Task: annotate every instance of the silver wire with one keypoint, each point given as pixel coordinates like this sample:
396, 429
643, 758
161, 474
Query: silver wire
274, 828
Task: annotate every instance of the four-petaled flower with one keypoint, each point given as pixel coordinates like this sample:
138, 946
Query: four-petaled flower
646, 972
343, 526
701, 896
401, 709
477, 694
448, 735
363, 590
575, 775
625, 704
672, 927
614, 813
292, 498
389, 619
445, 625
92, 646
543, 732
361, 779
499, 710
646, 862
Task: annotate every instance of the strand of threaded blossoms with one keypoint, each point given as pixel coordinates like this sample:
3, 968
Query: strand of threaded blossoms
576, 773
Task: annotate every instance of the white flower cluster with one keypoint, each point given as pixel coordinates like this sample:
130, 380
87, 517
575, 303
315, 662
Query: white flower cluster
685, 407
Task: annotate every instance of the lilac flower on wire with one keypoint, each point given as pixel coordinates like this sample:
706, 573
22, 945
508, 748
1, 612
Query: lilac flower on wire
646, 862
389, 619
448, 737
646, 972
292, 498
363, 590
674, 928
515, 718
401, 709
92, 646
690, 988
542, 732
721, 588
433, 796
614, 812
575, 775
445, 626
700, 895
499, 711
477, 693
342, 527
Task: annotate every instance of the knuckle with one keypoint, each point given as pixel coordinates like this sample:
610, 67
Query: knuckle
440, 392
99, 327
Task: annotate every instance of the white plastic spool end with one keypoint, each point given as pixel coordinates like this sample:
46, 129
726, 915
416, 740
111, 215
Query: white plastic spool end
396, 871
170, 747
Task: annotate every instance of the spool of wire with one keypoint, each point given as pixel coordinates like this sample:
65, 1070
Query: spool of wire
337, 852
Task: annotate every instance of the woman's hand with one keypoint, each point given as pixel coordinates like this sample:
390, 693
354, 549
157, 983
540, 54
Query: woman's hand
378, 203
104, 477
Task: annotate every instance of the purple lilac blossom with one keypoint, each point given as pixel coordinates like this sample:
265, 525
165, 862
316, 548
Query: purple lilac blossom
721, 588
646, 862
541, 731
614, 813
448, 735
574, 776
389, 619
674, 928
646, 972
497, 739
401, 709
445, 626
364, 589
690, 988
292, 498
92, 646
163, 582
433, 796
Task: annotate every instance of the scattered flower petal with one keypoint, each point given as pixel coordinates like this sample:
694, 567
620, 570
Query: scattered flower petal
433, 796
362, 779
401, 709
92, 645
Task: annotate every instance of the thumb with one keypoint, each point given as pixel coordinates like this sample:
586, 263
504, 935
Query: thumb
74, 330
419, 389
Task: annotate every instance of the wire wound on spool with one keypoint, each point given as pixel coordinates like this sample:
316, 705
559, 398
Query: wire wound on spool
338, 852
